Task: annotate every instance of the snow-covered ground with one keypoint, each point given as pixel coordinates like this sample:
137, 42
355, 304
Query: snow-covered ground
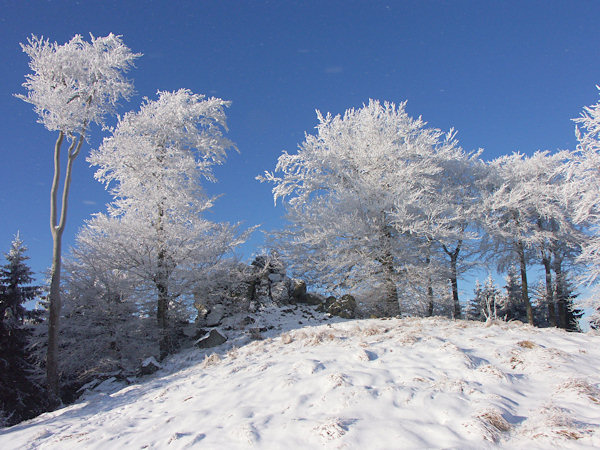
376, 384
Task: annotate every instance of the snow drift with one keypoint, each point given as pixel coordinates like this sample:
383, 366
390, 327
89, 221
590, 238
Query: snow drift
398, 383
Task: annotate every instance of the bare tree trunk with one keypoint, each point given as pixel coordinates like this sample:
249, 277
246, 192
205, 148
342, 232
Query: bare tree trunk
57, 227
392, 304
524, 292
162, 306
456, 313
549, 290
429, 311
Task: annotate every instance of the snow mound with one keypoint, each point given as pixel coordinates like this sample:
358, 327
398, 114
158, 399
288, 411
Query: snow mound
398, 383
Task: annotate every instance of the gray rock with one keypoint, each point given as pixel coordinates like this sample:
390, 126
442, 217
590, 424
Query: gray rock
344, 307
149, 366
280, 293
215, 316
190, 330
262, 293
298, 291
211, 339
275, 277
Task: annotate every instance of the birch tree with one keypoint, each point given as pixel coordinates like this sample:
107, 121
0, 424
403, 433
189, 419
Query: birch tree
71, 87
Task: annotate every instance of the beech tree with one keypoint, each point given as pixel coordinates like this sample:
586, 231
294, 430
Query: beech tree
153, 164
527, 219
366, 199
71, 87
583, 195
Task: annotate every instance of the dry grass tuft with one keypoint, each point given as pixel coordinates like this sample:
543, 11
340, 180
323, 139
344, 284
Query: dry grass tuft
495, 419
569, 434
582, 387
211, 360
233, 353
527, 344
319, 337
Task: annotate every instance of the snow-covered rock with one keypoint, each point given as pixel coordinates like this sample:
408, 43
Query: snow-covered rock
215, 316
213, 338
149, 366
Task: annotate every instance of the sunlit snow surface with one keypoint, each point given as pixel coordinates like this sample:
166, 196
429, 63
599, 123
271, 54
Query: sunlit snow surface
364, 384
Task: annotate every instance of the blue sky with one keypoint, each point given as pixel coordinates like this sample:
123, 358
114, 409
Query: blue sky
507, 75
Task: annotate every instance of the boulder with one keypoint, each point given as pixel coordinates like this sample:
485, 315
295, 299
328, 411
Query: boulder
275, 277
262, 293
344, 307
149, 366
190, 330
324, 307
280, 293
298, 291
211, 339
215, 316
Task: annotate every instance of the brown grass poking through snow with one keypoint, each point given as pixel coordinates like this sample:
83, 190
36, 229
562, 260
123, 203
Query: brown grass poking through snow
286, 338
495, 419
582, 387
211, 360
527, 344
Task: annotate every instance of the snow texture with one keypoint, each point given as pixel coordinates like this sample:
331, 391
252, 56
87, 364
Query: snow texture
396, 383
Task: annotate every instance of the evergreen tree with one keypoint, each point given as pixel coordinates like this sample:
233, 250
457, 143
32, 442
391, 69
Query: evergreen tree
572, 312
514, 307
20, 395
473, 309
487, 303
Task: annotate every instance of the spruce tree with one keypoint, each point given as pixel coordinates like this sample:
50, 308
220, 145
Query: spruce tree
474, 305
573, 313
20, 396
514, 306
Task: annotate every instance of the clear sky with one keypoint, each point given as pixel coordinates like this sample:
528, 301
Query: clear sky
507, 75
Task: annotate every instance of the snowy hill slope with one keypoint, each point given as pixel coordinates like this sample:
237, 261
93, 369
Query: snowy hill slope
399, 383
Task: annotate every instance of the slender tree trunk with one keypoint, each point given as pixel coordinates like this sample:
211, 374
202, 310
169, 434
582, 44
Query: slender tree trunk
162, 276
57, 227
162, 306
560, 294
549, 290
392, 306
524, 291
429, 311
392, 303
429, 300
454, 278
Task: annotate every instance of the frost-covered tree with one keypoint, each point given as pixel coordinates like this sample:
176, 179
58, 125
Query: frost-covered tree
21, 397
525, 215
583, 195
487, 302
514, 307
153, 164
71, 87
368, 203
104, 331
